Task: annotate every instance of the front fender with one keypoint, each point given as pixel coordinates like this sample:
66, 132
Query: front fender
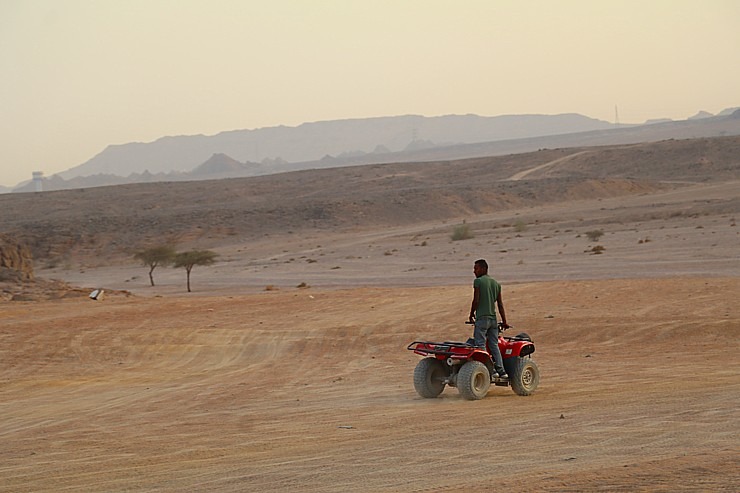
513, 349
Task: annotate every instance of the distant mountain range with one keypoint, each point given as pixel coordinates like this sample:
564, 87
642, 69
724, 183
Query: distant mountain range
407, 138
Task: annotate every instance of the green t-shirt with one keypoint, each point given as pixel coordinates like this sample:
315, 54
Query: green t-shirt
489, 291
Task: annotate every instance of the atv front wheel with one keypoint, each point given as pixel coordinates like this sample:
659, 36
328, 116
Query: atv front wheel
473, 380
524, 376
429, 377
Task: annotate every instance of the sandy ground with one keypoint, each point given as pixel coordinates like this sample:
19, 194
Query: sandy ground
312, 391
690, 231
237, 387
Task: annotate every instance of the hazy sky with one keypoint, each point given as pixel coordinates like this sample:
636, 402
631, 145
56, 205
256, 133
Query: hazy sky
78, 75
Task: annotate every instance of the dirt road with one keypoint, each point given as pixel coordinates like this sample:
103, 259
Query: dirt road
311, 390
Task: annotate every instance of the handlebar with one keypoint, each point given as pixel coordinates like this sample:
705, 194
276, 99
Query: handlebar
501, 325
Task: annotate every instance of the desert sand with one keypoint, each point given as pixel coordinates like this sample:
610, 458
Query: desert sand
251, 383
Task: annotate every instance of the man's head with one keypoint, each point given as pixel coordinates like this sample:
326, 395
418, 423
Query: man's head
480, 268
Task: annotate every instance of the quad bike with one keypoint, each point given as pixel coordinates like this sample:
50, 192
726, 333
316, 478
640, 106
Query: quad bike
469, 368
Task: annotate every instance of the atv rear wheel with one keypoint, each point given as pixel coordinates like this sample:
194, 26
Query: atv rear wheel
429, 377
473, 380
524, 376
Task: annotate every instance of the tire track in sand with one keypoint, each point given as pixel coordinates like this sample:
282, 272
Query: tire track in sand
522, 174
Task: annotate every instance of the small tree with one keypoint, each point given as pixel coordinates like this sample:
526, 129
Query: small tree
193, 258
159, 255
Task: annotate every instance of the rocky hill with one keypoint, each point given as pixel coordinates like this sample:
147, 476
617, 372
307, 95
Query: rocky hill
107, 222
223, 165
313, 141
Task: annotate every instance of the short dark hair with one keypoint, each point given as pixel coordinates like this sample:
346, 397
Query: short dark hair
482, 263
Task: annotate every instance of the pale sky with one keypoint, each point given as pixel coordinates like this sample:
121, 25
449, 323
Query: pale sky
78, 75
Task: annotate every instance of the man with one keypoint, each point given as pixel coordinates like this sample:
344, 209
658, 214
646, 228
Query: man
486, 291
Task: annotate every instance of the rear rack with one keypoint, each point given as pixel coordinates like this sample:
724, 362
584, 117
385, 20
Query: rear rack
444, 348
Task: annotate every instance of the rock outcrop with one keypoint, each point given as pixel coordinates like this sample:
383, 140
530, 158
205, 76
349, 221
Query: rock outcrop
16, 262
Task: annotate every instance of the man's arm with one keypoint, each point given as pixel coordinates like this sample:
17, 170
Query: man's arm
501, 311
474, 304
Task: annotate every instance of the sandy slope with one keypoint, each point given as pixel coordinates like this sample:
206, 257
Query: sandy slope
311, 390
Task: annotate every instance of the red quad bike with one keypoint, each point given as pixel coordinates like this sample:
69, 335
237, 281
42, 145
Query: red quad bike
469, 368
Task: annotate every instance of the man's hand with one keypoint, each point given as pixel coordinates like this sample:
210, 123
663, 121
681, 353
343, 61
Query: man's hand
471, 319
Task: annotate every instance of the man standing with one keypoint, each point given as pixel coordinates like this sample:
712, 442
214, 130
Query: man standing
486, 291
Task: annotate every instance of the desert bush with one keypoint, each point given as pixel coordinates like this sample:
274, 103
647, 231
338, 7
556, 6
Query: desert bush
462, 232
520, 226
595, 234
598, 250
